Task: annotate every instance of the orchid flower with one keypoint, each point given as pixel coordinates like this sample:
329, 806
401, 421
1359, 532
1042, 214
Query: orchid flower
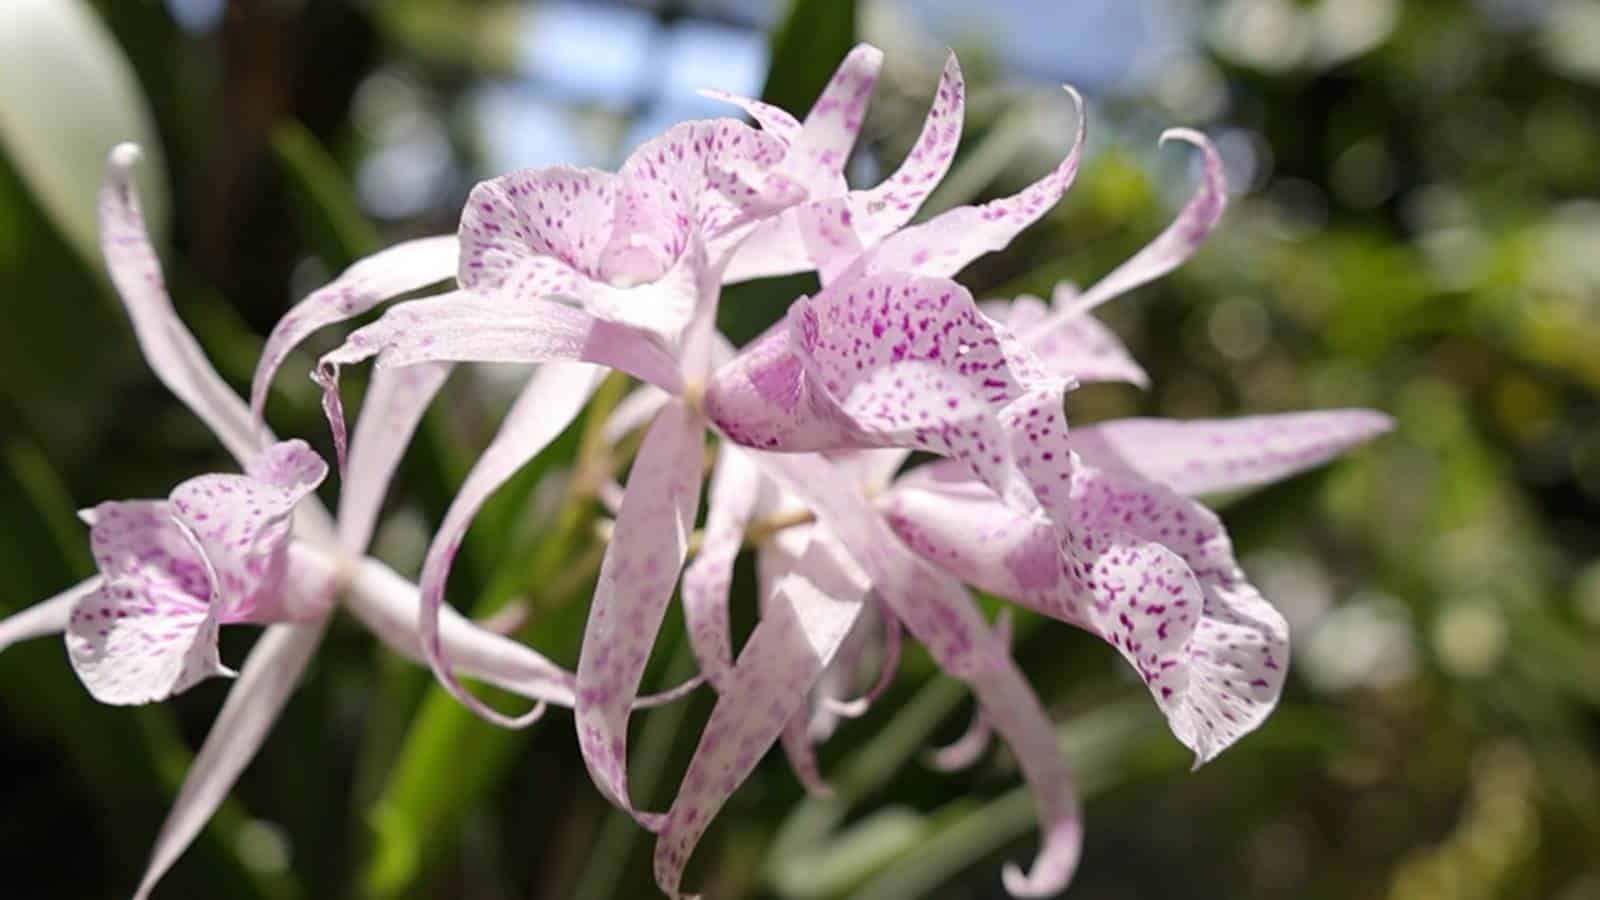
1085, 527
221, 549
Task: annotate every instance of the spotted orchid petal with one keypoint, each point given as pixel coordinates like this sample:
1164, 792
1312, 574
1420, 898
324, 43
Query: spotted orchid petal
268, 678
881, 210
885, 361
401, 269
801, 628
149, 630
822, 147
1079, 347
1153, 574
735, 486
780, 247
172, 352
1209, 456
546, 406
969, 748
637, 577
46, 617
390, 413
461, 327
773, 120
940, 614
1173, 247
946, 243
240, 524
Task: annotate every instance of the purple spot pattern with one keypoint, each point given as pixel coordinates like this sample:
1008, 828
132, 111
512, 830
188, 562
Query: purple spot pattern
176, 570
735, 486
892, 203
637, 577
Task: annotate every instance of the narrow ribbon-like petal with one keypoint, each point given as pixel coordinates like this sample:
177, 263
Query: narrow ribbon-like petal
882, 209
400, 269
735, 486
465, 328
395, 402
1172, 247
549, 403
797, 636
172, 352
773, 120
945, 244
637, 577
1206, 456
269, 676
634, 412
944, 619
821, 149
969, 748
47, 616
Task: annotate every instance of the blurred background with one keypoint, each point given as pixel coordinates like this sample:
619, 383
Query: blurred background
1415, 228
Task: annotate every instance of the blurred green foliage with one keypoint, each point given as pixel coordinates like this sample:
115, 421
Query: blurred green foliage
1416, 231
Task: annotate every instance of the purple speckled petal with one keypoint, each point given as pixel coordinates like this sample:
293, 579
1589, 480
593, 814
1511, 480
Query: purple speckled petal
139, 640
463, 327
400, 269
969, 748
46, 617
268, 678
819, 152
941, 615
172, 352
799, 632
637, 577
1079, 347
885, 361
241, 526
549, 403
1172, 247
395, 402
945, 244
773, 120
830, 238
1149, 571
1211, 455
535, 232
735, 486
882, 209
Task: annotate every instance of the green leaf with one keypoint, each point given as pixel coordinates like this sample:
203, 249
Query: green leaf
67, 96
813, 37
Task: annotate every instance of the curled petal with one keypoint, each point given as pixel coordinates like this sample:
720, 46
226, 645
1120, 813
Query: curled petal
637, 577
466, 328
1173, 246
882, 209
1210, 455
270, 674
773, 120
390, 413
888, 667
172, 352
795, 639
47, 616
400, 269
549, 403
945, 244
968, 748
535, 232
734, 489
944, 619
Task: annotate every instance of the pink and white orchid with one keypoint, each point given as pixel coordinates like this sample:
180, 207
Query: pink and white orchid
222, 549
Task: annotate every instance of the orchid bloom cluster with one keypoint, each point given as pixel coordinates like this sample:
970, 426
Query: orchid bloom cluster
580, 271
